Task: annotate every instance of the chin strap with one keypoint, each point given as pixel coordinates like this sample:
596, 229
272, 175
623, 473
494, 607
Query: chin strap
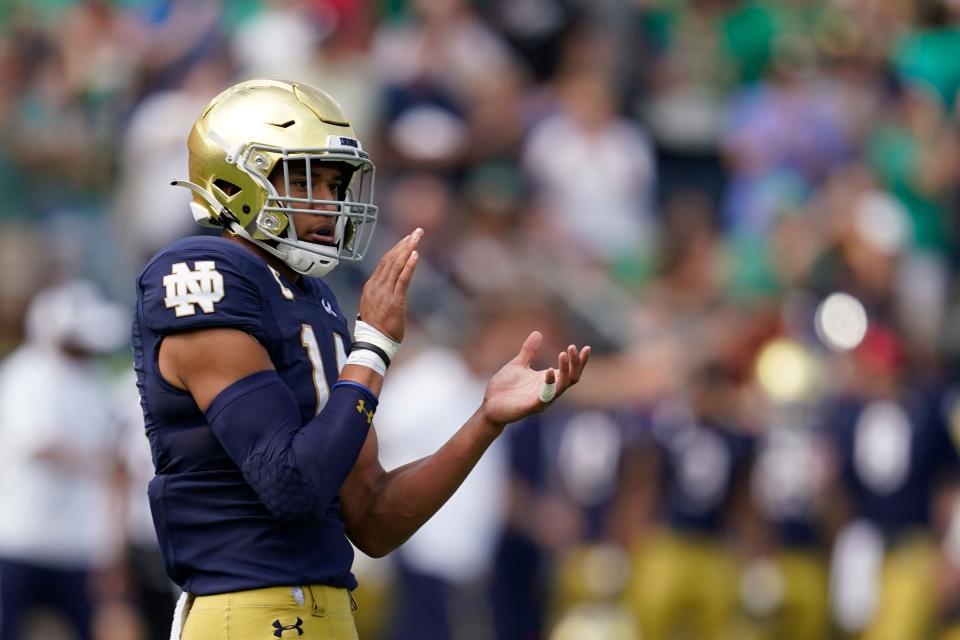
304, 262
309, 263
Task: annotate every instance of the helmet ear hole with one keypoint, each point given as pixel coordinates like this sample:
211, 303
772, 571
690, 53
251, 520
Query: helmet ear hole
228, 188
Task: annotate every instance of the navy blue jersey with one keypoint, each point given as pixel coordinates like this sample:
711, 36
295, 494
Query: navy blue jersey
892, 452
215, 534
574, 453
787, 481
701, 466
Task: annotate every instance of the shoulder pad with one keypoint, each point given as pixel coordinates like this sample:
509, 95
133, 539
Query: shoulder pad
200, 282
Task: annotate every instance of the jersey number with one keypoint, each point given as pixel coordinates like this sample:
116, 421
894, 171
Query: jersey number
309, 341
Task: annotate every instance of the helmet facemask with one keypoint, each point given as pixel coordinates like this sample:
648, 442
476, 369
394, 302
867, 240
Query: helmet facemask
354, 216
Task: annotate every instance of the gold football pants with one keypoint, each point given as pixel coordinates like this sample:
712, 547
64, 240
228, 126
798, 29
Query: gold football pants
905, 608
684, 581
804, 611
310, 612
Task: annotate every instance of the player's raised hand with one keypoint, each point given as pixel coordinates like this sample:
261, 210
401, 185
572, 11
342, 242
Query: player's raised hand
517, 391
383, 302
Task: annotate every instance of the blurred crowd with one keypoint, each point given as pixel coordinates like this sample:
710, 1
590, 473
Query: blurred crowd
680, 183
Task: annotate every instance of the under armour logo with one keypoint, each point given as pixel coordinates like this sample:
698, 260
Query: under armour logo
362, 408
280, 629
329, 308
185, 288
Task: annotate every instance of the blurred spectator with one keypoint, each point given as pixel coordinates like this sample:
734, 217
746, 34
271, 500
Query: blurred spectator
497, 117
536, 29
435, 63
22, 47
150, 211
342, 63
921, 59
59, 526
150, 592
782, 137
593, 175
681, 96
488, 257
291, 22
693, 264
425, 199
101, 46
914, 150
442, 569
180, 33
441, 42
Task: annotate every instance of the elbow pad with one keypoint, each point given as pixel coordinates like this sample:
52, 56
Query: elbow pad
296, 470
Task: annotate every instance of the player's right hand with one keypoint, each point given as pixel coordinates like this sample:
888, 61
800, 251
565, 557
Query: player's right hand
383, 302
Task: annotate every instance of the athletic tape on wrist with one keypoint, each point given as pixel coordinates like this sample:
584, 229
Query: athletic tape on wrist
369, 346
364, 332
369, 359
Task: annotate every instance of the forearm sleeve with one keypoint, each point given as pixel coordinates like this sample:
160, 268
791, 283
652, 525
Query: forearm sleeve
296, 469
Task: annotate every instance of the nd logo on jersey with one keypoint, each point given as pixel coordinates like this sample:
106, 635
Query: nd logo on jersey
185, 288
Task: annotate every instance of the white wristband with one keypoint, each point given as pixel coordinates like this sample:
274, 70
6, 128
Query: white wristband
369, 359
364, 332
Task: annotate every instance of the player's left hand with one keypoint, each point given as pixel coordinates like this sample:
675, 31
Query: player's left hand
517, 391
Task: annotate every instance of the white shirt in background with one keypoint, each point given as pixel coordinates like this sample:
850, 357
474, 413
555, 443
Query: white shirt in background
53, 514
423, 402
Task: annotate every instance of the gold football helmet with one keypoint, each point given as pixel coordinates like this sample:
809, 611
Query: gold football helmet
260, 126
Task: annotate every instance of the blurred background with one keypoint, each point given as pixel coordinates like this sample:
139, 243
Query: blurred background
680, 183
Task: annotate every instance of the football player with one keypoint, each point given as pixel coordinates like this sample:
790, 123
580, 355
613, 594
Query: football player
259, 401
684, 576
788, 488
895, 454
